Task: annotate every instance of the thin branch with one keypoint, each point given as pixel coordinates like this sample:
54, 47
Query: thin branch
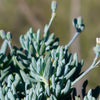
87, 71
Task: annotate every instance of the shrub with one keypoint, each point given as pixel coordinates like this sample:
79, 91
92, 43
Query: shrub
42, 69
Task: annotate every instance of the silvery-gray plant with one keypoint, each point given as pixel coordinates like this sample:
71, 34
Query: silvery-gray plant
42, 69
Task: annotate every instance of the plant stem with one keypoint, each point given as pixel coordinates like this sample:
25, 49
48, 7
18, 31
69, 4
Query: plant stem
92, 66
97, 63
72, 40
50, 22
89, 69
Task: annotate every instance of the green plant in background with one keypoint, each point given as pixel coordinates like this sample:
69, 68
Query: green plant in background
42, 69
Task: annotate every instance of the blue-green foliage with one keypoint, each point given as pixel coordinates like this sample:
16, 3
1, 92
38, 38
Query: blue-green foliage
41, 69
40, 65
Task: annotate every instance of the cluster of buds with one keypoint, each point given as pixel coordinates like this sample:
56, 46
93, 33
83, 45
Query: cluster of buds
78, 24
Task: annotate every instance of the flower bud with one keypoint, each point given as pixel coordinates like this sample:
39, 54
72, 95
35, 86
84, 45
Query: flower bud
53, 6
74, 22
82, 27
80, 20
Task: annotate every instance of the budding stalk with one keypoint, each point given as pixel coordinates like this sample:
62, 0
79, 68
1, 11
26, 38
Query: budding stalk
54, 6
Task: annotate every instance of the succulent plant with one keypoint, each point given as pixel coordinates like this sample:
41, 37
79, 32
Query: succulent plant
91, 95
41, 69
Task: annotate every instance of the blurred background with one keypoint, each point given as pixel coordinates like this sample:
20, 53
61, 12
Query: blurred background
17, 16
